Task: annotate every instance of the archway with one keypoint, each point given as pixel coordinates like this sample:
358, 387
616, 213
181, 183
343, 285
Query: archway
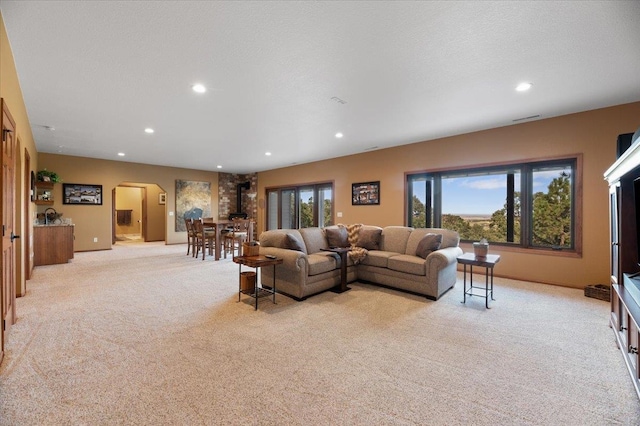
138, 213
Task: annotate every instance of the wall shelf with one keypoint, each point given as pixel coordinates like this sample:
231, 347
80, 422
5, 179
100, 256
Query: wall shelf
44, 193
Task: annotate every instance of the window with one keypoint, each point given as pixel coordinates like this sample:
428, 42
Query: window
529, 204
300, 207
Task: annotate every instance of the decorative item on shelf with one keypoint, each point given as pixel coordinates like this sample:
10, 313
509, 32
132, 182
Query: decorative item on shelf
47, 176
481, 248
251, 248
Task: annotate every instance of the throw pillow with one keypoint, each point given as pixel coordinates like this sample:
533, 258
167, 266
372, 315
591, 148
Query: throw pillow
369, 238
428, 243
293, 243
337, 237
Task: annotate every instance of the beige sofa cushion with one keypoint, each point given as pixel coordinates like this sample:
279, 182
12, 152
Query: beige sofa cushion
378, 258
450, 238
408, 264
320, 263
278, 238
314, 239
394, 238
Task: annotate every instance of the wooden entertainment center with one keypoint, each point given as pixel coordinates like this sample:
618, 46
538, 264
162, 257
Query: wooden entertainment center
624, 187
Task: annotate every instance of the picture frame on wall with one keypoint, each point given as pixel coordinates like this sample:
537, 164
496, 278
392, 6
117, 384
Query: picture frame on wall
162, 198
80, 193
365, 193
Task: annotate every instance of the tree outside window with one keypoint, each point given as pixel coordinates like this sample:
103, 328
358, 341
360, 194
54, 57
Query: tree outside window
487, 203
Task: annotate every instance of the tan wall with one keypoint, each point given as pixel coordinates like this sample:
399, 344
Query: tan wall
156, 225
95, 221
11, 93
591, 133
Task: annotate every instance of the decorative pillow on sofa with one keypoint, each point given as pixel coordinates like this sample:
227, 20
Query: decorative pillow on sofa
428, 243
369, 238
337, 237
293, 243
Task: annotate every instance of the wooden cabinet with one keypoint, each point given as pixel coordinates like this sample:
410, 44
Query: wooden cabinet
624, 255
52, 244
626, 323
44, 193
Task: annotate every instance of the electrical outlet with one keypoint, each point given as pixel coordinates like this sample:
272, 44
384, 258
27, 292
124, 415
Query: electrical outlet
170, 213
95, 239
339, 214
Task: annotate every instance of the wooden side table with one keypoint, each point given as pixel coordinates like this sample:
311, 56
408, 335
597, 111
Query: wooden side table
257, 262
342, 252
487, 262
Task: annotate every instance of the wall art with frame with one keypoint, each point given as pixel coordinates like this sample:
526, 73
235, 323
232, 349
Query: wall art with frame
365, 193
80, 193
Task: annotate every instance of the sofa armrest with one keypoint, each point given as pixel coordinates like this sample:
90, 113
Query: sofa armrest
441, 258
292, 259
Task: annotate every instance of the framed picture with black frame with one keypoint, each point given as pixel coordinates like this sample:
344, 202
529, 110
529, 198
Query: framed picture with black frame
365, 193
80, 193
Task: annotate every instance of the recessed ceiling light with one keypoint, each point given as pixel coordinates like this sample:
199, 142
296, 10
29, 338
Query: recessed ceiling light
149, 130
523, 87
339, 135
267, 154
199, 88
218, 166
121, 154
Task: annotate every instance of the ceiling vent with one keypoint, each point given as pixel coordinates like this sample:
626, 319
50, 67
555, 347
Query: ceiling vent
526, 118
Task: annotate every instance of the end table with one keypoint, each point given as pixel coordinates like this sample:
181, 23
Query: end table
257, 262
487, 262
342, 252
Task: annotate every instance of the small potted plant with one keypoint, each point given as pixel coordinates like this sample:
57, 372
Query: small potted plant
47, 176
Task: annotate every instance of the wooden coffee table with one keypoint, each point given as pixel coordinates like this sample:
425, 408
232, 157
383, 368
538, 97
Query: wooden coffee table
257, 262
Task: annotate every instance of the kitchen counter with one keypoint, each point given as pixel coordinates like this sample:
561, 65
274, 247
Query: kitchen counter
52, 244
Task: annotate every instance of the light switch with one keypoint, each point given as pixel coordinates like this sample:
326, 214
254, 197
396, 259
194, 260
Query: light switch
339, 214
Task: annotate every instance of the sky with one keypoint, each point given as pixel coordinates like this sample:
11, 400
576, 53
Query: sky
481, 195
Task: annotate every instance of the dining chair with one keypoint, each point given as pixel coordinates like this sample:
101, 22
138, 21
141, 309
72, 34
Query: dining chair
238, 234
204, 238
191, 237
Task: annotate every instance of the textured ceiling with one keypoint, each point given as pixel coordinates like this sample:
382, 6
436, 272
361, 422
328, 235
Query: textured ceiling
284, 77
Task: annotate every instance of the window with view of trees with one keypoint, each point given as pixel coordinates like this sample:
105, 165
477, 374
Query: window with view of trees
300, 207
530, 204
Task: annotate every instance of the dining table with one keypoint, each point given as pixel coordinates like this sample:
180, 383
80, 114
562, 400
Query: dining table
218, 226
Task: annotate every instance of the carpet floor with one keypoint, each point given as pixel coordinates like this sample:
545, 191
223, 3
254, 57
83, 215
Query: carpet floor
143, 334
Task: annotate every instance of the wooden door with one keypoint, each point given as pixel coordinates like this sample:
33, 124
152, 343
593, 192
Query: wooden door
113, 216
29, 192
8, 221
143, 218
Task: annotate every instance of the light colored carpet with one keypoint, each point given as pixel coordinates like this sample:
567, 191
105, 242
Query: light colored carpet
144, 334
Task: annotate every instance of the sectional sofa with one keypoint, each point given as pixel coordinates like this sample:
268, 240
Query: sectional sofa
396, 257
